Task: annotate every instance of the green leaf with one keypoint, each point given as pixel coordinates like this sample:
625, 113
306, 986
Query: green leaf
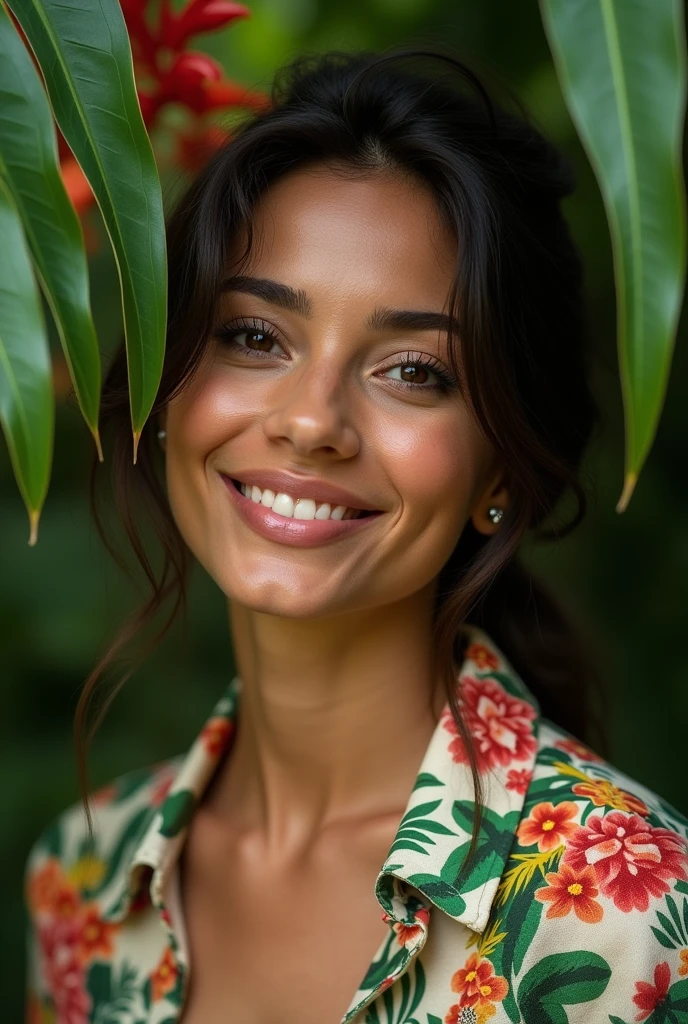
176, 812
27, 410
559, 980
426, 779
29, 165
420, 811
83, 50
622, 69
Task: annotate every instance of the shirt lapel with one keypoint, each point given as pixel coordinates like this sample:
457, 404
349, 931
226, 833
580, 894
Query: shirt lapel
160, 836
428, 864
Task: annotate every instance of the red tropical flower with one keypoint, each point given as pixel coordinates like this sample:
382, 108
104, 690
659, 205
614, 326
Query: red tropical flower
548, 826
483, 657
164, 977
408, 934
501, 725
578, 749
216, 734
570, 890
49, 890
631, 859
518, 780
477, 984
95, 938
648, 997
64, 973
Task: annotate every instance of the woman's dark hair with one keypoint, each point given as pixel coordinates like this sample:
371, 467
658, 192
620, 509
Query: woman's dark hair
517, 297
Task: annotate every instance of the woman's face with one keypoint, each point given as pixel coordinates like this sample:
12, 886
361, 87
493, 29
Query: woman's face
310, 384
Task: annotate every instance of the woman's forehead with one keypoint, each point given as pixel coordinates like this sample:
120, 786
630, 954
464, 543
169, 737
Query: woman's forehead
327, 233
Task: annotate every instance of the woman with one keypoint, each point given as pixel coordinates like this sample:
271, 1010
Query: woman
375, 384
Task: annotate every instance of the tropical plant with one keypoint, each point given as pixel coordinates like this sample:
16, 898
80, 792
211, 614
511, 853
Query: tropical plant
103, 72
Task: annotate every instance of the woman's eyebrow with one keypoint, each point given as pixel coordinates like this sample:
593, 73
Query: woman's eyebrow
381, 319
272, 291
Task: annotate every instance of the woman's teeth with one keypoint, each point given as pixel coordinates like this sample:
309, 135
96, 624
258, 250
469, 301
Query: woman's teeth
296, 508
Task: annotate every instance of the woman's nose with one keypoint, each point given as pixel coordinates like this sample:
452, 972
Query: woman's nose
311, 411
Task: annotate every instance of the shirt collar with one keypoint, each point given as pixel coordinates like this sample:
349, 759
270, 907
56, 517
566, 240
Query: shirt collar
428, 855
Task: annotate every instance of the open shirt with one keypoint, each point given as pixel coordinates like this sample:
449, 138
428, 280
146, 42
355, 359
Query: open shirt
573, 908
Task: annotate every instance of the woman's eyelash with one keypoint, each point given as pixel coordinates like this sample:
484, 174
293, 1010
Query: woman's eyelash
227, 334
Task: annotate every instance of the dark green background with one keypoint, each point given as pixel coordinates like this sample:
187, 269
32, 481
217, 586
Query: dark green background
624, 578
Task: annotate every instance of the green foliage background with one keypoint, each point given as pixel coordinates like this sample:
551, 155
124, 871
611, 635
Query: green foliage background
624, 578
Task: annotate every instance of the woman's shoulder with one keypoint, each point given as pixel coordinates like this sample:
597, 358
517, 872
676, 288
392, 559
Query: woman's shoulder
594, 893
568, 768
67, 858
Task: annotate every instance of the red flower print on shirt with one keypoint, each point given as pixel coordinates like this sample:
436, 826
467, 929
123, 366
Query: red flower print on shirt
477, 984
518, 780
164, 976
648, 997
408, 933
568, 890
215, 735
95, 938
605, 794
64, 973
501, 725
548, 826
578, 749
483, 657
50, 891
631, 860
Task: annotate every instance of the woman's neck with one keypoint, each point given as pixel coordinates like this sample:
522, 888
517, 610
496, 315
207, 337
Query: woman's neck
335, 717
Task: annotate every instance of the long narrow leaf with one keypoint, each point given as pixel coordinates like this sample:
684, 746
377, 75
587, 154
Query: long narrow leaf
622, 68
26, 395
30, 167
83, 50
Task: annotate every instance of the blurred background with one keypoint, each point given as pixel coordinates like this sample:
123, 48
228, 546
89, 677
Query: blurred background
624, 579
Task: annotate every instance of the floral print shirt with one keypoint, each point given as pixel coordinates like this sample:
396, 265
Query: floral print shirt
573, 908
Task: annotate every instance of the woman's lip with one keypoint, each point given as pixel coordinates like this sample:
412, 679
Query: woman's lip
303, 487
304, 533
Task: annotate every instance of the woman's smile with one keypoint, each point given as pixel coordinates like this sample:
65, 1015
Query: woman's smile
282, 525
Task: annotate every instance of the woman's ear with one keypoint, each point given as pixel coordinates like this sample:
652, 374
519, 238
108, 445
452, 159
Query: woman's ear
494, 500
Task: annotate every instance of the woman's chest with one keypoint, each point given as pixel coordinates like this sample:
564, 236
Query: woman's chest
274, 946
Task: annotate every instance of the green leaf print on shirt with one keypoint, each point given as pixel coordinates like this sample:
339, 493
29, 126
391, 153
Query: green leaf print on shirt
176, 812
559, 980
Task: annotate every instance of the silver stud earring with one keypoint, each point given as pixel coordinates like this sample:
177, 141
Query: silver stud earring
495, 514
162, 435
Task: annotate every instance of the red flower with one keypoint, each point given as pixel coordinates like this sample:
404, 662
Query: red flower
483, 657
571, 890
64, 973
648, 997
198, 16
164, 977
518, 780
631, 859
477, 984
408, 934
215, 735
501, 725
548, 826
95, 937
578, 750
49, 890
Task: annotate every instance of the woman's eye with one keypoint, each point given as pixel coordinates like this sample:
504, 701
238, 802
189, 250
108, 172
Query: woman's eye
246, 340
418, 373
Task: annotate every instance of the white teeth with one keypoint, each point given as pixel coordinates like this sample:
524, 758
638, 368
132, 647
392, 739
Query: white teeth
303, 508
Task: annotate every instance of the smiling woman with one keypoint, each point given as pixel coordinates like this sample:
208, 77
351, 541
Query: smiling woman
375, 385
